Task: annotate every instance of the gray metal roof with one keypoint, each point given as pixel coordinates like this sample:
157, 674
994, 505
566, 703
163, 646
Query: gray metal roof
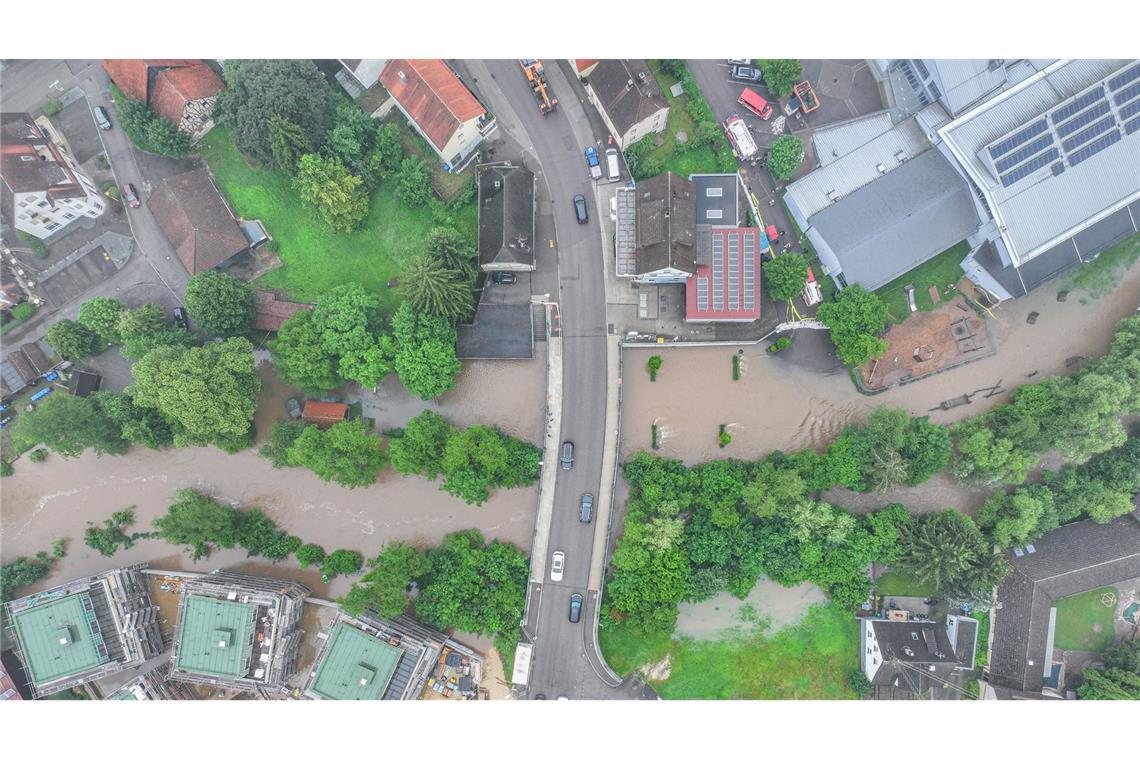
832, 143
898, 221
1038, 211
844, 176
966, 80
718, 199
506, 216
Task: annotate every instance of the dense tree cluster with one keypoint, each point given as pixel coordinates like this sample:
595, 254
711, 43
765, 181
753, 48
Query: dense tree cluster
785, 276
345, 453
1078, 415
472, 461
784, 156
1120, 678
220, 304
147, 130
855, 318
24, 571
780, 74
385, 588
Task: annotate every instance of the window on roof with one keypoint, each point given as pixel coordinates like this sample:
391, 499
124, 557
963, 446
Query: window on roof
714, 213
714, 192
42, 204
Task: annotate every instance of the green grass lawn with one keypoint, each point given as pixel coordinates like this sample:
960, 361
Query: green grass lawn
811, 660
700, 160
317, 259
1077, 619
1103, 275
940, 271
894, 583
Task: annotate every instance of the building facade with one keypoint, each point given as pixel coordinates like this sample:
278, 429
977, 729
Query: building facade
629, 99
43, 190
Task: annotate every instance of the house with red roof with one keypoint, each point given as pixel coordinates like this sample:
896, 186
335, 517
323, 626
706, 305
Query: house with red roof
439, 107
196, 220
324, 413
180, 90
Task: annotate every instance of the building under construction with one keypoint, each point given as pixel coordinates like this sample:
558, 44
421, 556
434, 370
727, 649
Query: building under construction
372, 658
155, 684
237, 631
84, 630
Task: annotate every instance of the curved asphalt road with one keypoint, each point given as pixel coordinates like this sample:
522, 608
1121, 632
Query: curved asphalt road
560, 666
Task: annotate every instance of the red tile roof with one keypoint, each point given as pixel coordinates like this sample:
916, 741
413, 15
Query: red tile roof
431, 95
196, 221
324, 412
174, 88
584, 64
273, 309
733, 270
130, 74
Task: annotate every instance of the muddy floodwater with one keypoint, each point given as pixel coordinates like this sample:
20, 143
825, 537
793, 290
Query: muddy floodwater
777, 404
57, 498
768, 603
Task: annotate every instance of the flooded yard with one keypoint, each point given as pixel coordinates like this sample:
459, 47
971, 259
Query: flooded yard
768, 604
57, 498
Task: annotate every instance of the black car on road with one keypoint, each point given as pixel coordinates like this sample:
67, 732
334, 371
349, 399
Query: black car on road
586, 511
575, 608
567, 455
580, 209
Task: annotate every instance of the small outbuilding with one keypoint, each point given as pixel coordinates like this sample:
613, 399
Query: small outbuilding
324, 413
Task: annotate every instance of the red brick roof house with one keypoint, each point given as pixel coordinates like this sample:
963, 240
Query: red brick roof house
439, 106
180, 90
324, 413
273, 309
584, 66
197, 222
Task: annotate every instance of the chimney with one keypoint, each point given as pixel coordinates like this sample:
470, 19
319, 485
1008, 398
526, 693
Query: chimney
629, 84
882, 169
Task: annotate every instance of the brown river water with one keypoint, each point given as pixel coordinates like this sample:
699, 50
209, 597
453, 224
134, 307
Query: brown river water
56, 499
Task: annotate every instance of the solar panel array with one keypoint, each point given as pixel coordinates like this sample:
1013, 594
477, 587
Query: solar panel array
748, 241
729, 285
702, 293
733, 272
718, 272
1082, 127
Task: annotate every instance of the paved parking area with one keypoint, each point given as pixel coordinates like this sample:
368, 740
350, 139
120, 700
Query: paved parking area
77, 278
77, 126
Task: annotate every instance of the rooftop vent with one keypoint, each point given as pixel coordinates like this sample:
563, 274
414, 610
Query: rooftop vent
629, 84
901, 156
914, 635
882, 169
908, 651
403, 77
641, 77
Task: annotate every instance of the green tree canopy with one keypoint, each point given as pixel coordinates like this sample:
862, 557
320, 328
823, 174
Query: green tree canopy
353, 141
431, 288
855, 320
208, 393
101, 316
384, 588
282, 436
342, 562
310, 555
473, 586
780, 74
200, 523
74, 340
784, 157
326, 186
419, 451
138, 424
480, 458
946, 550
287, 142
450, 247
220, 303
413, 183
425, 352
300, 356
68, 425
786, 276
345, 453
258, 90
146, 129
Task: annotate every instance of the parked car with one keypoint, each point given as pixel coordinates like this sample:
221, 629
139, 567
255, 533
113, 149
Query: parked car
747, 74
613, 167
593, 162
773, 233
504, 278
130, 197
567, 455
181, 318
751, 100
557, 565
740, 61
580, 209
575, 609
613, 209
101, 117
586, 511
293, 406
4, 422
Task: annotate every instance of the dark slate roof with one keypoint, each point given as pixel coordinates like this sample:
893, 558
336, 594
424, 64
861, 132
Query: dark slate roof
626, 104
719, 192
40, 359
1070, 560
506, 215
910, 654
84, 383
665, 224
898, 221
990, 260
499, 331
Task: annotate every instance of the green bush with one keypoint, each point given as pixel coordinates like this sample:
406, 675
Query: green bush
781, 343
52, 107
735, 367
146, 129
33, 242
859, 683
6, 468
111, 190
724, 438
102, 162
784, 156
38, 455
654, 365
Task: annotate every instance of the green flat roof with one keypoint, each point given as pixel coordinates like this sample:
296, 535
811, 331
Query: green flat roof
40, 629
207, 621
354, 656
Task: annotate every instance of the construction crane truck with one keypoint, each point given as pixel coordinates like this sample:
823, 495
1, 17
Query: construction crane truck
536, 78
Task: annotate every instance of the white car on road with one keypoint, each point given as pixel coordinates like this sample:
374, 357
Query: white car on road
557, 563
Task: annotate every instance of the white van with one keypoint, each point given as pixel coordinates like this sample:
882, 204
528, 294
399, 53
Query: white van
612, 165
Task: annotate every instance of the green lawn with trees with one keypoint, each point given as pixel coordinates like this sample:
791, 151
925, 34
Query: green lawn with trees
899, 583
1084, 621
941, 271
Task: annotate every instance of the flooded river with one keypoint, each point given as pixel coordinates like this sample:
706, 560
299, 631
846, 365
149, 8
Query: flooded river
54, 499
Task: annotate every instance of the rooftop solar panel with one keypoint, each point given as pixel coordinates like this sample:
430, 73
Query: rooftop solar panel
1021, 154
1058, 168
702, 293
1079, 104
1132, 126
1127, 94
1005, 146
1023, 171
1124, 78
1085, 135
1130, 110
1086, 117
1094, 147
